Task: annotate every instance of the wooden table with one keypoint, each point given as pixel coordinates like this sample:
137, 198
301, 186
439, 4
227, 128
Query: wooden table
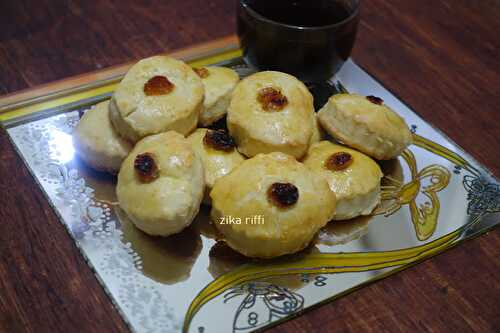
441, 57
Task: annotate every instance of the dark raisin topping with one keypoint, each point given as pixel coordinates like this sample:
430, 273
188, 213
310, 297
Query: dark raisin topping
158, 85
202, 72
219, 140
338, 161
220, 124
271, 99
375, 100
283, 195
146, 168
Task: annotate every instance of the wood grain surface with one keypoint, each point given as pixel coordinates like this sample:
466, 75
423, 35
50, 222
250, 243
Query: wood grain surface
441, 57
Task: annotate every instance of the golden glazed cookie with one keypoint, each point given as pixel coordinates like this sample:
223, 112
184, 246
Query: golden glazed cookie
218, 154
97, 143
219, 83
352, 176
271, 205
366, 124
271, 111
161, 183
157, 94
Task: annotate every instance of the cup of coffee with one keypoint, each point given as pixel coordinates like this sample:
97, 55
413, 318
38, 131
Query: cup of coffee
309, 39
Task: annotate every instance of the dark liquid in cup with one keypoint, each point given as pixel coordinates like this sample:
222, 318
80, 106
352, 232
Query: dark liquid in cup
301, 13
272, 38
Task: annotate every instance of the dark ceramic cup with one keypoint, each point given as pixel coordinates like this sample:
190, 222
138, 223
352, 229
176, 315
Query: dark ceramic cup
309, 39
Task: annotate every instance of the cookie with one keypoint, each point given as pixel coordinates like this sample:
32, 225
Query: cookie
367, 124
351, 175
271, 111
218, 153
271, 205
96, 141
219, 83
157, 94
161, 183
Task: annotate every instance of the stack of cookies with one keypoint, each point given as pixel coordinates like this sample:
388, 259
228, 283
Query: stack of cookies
271, 160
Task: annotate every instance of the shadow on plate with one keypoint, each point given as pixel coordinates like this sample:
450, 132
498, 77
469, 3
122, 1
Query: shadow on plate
223, 259
166, 260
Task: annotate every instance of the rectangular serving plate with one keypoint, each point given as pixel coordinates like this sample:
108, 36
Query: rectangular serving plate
184, 282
